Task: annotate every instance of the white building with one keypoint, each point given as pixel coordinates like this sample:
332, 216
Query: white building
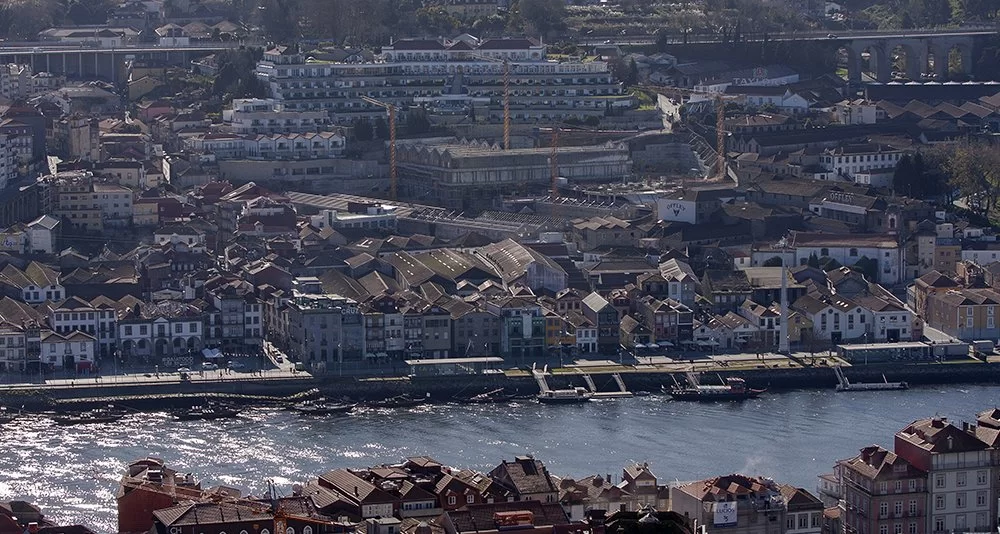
835, 318
42, 234
436, 68
115, 204
361, 216
848, 160
179, 234
855, 112
847, 249
74, 350
267, 116
12, 347
75, 314
310, 145
161, 331
890, 320
15, 81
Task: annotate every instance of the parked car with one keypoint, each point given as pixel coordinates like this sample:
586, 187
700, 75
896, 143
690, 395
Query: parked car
236, 365
209, 366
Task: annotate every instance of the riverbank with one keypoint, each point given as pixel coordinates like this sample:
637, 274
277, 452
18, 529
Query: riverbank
143, 392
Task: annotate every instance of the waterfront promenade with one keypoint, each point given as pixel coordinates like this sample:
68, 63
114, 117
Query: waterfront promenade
277, 377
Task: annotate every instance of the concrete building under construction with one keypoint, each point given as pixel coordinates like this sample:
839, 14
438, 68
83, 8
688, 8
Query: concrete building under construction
472, 176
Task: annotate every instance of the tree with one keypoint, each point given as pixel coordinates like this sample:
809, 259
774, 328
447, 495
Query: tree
974, 167
813, 261
363, 130
774, 261
417, 122
867, 267
904, 176
543, 16
381, 128
632, 77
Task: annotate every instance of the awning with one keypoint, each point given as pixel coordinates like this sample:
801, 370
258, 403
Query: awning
665, 344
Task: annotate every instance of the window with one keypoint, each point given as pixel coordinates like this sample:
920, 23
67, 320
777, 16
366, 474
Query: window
960, 500
128, 330
854, 252
980, 478
897, 528
897, 509
790, 522
452, 500
898, 486
939, 502
912, 529
939, 524
980, 498
883, 529
939, 481
470, 499
883, 509
913, 507
803, 521
178, 328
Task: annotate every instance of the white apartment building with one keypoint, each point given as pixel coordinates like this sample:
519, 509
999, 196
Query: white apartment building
74, 350
268, 116
75, 314
443, 69
12, 347
959, 470
848, 160
309, 145
161, 331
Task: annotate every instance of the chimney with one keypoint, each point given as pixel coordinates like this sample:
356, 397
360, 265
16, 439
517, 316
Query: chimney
355, 491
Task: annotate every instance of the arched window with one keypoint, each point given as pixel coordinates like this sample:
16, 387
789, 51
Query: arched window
265, 531
289, 530
307, 530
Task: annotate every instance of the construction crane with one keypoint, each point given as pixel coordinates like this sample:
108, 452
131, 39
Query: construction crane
554, 162
720, 119
393, 184
506, 96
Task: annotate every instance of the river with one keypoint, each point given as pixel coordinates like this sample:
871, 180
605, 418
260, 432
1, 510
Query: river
72, 472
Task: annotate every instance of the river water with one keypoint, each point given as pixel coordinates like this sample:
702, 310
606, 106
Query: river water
72, 472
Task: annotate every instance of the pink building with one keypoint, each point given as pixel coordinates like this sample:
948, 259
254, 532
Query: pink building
882, 494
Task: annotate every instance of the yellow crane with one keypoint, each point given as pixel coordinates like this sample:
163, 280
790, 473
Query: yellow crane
720, 119
393, 183
506, 95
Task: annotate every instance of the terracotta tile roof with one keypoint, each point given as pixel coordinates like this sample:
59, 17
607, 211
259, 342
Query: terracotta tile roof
481, 517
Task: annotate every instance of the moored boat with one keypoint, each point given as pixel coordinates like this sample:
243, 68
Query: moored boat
322, 407
734, 389
100, 415
488, 397
7, 416
564, 396
206, 412
399, 401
